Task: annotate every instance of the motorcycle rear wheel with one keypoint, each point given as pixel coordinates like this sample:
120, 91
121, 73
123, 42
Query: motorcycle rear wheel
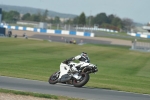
53, 78
84, 79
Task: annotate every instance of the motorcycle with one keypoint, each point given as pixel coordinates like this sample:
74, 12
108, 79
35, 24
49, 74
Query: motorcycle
77, 78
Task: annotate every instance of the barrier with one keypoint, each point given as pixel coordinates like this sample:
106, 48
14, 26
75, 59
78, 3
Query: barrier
140, 35
2, 31
86, 34
140, 46
96, 29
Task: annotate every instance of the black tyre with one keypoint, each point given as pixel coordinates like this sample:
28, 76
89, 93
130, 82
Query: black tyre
53, 78
84, 79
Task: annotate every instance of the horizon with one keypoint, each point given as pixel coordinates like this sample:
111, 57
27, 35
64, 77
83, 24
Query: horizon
136, 12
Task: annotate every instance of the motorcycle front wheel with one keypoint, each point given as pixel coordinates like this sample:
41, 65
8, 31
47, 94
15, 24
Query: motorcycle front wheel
53, 78
82, 81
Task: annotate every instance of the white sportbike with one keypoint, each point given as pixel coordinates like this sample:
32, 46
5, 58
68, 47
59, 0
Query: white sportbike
77, 78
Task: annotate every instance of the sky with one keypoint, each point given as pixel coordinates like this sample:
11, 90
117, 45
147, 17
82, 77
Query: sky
137, 10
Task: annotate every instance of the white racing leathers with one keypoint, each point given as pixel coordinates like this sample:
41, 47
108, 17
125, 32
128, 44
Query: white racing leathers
65, 68
82, 60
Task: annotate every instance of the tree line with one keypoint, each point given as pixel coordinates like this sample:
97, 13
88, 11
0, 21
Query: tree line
101, 20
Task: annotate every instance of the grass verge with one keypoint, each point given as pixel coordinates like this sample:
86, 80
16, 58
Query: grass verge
54, 97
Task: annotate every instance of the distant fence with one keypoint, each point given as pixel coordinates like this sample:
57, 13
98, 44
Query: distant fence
140, 35
66, 32
96, 29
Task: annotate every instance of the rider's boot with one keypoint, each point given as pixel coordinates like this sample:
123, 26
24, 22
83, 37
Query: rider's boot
74, 69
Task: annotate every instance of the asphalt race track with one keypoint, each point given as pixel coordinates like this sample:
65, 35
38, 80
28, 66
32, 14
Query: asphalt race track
64, 38
67, 90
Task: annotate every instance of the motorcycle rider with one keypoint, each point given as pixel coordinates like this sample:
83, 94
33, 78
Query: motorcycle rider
65, 66
83, 58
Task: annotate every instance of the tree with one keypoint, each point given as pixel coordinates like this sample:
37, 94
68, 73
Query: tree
15, 15
36, 18
39, 16
56, 20
11, 16
101, 18
44, 17
90, 20
128, 23
26, 16
76, 20
82, 19
110, 18
116, 21
4, 13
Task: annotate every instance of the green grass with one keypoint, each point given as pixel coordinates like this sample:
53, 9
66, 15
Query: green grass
119, 68
28, 25
120, 35
37, 95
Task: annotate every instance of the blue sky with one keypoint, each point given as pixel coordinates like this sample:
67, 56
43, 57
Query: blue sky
137, 10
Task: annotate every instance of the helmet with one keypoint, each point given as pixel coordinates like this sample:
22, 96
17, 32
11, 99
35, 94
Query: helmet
84, 54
